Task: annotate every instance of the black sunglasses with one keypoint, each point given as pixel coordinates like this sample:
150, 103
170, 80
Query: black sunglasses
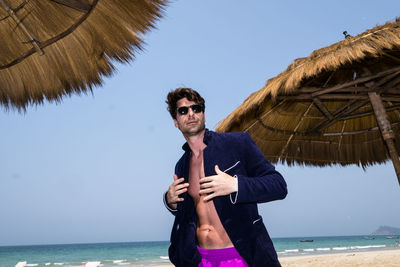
196, 108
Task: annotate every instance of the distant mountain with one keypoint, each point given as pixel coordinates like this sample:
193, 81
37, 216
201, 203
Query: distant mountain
387, 230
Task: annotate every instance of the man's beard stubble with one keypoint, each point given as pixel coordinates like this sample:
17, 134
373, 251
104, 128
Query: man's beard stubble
193, 131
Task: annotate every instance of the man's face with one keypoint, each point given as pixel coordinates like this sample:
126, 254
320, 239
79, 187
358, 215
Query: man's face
192, 123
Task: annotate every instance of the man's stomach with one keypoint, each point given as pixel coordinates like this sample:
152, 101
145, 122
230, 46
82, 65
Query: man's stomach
208, 237
210, 232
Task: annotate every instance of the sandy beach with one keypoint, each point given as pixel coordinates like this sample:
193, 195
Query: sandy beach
382, 258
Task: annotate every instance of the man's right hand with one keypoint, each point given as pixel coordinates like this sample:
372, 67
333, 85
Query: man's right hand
174, 190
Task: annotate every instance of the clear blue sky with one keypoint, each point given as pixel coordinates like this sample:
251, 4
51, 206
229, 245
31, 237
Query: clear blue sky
93, 168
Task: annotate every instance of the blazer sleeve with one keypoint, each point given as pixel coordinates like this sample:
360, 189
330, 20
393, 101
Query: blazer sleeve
173, 211
263, 182
177, 172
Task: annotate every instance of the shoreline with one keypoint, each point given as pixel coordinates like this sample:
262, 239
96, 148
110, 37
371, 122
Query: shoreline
326, 252
334, 252
371, 258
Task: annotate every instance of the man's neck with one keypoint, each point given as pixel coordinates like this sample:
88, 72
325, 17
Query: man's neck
196, 143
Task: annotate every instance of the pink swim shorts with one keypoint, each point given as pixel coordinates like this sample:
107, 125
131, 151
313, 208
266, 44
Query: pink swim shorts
225, 257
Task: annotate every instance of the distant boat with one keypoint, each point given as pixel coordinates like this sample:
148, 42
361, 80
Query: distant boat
307, 240
369, 237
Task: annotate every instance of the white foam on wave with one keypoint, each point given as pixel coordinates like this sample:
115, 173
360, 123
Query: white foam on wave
47, 263
308, 249
378, 246
367, 247
291, 250
164, 257
340, 248
123, 263
361, 247
92, 264
118, 261
323, 249
59, 263
32, 264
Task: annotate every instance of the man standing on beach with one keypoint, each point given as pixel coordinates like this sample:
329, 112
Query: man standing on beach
217, 184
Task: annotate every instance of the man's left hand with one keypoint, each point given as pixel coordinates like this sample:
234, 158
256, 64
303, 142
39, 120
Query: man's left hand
221, 184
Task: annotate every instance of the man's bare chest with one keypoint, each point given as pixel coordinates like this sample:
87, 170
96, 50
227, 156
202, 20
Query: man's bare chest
196, 171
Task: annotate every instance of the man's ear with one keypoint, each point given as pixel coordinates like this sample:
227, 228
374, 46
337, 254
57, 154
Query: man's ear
175, 123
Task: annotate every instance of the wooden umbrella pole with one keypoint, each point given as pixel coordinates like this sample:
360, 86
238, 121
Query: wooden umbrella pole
386, 130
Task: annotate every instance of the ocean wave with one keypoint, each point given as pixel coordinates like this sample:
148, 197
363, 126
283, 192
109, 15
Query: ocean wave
368, 247
118, 261
164, 257
59, 263
93, 264
340, 248
378, 246
327, 249
360, 247
47, 263
323, 249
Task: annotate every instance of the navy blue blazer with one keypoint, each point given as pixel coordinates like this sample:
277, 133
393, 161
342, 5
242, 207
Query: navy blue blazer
258, 182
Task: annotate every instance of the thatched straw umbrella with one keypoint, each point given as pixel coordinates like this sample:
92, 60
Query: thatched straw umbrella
340, 105
53, 48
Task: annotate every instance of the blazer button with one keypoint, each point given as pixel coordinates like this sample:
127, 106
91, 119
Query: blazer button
177, 227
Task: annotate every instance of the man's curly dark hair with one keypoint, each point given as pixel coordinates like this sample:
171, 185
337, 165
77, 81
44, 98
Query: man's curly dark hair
174, 96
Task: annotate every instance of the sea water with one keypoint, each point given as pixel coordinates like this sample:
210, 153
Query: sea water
333, 244
153, 253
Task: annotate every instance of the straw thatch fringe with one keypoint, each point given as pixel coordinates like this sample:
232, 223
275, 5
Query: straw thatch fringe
371, 44
318, 111
78, 46
353, 141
